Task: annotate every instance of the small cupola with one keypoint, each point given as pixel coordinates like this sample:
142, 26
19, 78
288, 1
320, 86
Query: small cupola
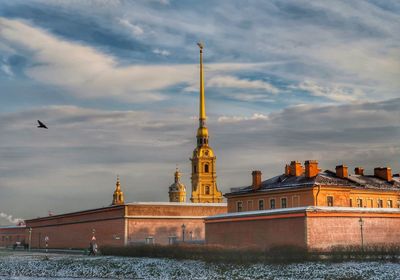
118, 196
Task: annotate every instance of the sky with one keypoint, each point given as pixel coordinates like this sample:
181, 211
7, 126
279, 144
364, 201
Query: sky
117, 84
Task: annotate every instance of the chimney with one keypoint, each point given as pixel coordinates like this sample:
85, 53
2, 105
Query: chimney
296, 169
287, 169
256, 179
359, 171
311, 168
384, 173
341, 171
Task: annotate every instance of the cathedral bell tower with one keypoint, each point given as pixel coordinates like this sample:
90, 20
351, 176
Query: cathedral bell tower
204, 177
118, 196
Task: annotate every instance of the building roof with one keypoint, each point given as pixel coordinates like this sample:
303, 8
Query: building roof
325, 178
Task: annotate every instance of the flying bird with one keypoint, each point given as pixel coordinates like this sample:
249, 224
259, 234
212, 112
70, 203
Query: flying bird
41, 125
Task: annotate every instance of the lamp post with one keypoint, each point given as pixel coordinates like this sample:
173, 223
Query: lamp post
93, 234
30, 238
183, 232
361, 222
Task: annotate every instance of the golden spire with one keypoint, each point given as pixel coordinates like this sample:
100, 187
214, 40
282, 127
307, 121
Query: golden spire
202, 117
118, 196
202, 131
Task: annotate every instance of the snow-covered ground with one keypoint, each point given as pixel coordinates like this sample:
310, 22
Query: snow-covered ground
28, 266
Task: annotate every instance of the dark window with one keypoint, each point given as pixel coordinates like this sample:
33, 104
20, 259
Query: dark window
283, 203
380, 203
194, 168
206, 168
272, 203
389, 204
249, 205
207, 189
261, 204
351, 202
329, 200
239, 206
359, 202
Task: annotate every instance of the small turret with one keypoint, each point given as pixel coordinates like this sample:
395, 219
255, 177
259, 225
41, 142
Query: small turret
118, 196
177, 191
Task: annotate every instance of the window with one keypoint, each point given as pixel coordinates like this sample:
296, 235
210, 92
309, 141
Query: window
207, 189
380, 203
172, 240
359, 202
149, 240
272, 203
206, 168
329, 201
194, 168
295, 201
398, 203
261, 204
239, 206
351, 202
283, 202
249, 205
389, 204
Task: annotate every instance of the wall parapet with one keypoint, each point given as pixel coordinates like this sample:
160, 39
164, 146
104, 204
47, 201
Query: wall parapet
305, 210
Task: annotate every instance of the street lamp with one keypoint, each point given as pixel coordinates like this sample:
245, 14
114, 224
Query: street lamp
30, 238
361, 222
183, 232
93, 234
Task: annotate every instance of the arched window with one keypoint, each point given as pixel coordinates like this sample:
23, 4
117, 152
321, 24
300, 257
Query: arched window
194, 168
206, 168
207, 189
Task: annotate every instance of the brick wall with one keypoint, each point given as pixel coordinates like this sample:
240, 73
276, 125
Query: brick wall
314, 227
10, 235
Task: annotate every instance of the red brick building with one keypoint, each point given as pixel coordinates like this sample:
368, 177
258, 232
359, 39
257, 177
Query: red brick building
309, 208
9, 235
131, 223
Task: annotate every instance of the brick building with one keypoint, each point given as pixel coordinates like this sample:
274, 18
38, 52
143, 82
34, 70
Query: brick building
9, 235
130, 223
307, 207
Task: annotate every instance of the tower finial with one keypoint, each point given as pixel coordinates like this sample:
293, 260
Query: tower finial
202, 117
118, 196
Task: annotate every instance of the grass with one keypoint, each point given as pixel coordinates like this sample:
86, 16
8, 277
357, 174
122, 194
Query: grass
278, 254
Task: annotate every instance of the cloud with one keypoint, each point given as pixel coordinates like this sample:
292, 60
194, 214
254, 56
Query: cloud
161, 52
234, 82
232, 119
10, 218
88, 73
73, 165
335, 93
135, 29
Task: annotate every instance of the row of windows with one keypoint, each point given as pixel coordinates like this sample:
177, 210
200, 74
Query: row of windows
206, 168
10, 238
261, 206
329, 202
370, 203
